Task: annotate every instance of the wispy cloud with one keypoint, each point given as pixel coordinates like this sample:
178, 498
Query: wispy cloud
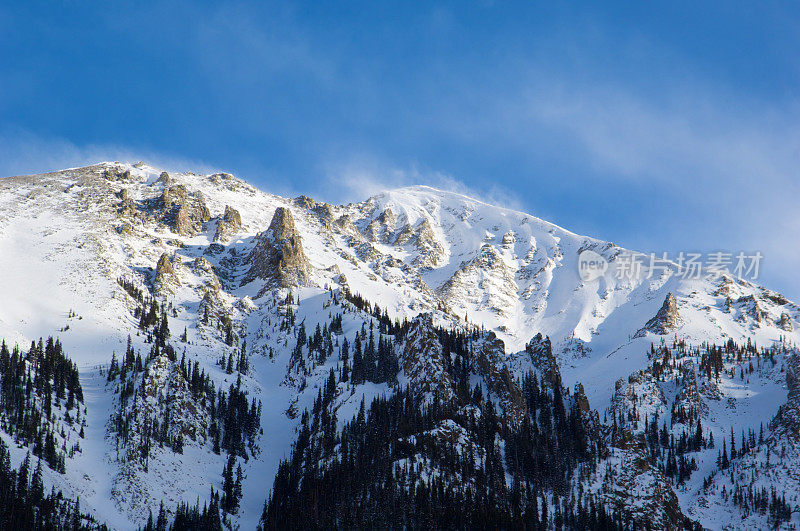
726, 167
708, 136
361, 177
23, 153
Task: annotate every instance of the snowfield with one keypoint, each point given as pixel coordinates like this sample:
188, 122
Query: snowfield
66, 240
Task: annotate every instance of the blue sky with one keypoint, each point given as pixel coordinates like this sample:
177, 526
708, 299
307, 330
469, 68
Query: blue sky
659, 127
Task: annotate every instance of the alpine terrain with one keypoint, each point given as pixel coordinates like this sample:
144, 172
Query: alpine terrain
186, 351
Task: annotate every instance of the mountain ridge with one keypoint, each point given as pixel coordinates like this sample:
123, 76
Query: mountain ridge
75, 244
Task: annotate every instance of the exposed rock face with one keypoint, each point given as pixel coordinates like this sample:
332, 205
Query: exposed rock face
430, 252
166, 280
382, 227
345, 226
164, 178
489, 272
212, 310
173, 195
205, 270
229, 225
184, 212
490, 363
127, 208
787, 421
785, 322
541, 352
164, 266
776, 298
278, 254
116, 174
639, 393
640, 490
750, 307
580, 399
666, 320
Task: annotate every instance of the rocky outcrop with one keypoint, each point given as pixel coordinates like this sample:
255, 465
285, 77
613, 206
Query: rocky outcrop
127, 208
489, 272
490, 358
381, 228
785, 322
666, 320
541, 352
786, 422
173, 195
303, 201
637, 489
166, 280
638, 396
581, 402
125, 229
205, 271
164, 178
117, 174
185, 213
430, 252
228, 225
278, 254
749, 307
213, 310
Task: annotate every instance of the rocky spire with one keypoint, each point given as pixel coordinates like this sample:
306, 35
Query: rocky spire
166, 280
666, 320
230, 223
278, 254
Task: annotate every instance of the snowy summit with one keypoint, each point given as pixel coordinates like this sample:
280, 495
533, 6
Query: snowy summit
187, 350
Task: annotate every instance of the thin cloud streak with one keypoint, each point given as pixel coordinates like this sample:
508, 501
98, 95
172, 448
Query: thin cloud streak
727, 167
736, 140
363, 177
22, 153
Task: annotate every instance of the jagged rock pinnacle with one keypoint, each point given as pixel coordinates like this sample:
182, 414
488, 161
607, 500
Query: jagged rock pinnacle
230, 223
166, 279
278, 254
666, 320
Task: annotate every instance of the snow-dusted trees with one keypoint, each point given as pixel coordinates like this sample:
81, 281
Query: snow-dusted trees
40, 394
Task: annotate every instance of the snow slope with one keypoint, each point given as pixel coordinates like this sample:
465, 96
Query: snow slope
64, 242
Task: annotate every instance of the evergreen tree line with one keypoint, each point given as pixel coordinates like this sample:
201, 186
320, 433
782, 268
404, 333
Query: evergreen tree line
190, 517
670, 453
31, 384
24, 504
389, 468
370, 357
235, 420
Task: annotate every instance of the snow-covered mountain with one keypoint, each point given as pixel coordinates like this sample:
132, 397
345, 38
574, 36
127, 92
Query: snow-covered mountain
238, 305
